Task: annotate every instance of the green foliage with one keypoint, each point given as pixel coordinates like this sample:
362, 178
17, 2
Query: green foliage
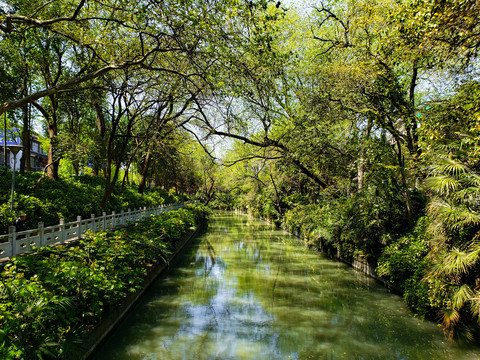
336, 134
420, 293
51, 298
259, 205
304, 219
70, 197
402, 259
455, 245
452, 127
355, 226
7, 217
223, 201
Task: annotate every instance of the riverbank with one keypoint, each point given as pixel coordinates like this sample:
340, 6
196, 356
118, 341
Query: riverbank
359, 263
70, 197
247, 290
53, 299
111, 320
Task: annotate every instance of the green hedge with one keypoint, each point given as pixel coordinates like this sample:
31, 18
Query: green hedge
50, 299
68, 198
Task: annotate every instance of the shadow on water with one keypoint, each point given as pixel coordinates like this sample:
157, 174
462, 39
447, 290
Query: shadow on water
247, 291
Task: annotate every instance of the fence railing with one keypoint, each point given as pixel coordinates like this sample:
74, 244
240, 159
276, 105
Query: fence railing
14, 243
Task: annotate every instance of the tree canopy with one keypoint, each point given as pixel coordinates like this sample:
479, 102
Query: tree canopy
352, 122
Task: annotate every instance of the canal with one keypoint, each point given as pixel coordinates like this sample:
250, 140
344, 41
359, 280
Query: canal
246, 291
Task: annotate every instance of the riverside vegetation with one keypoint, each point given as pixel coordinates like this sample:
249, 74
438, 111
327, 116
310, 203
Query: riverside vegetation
69, 197
50, 299
353, 122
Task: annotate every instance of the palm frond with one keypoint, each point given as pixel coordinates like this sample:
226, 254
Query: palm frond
474, 246
447, 166
469, 194
463, 294
450, 317
437, 230
443, 184
463, 217
437, 205
453, 216
473, 180
457, 262
475, 305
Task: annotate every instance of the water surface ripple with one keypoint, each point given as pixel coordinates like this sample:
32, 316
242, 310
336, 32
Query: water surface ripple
247, 291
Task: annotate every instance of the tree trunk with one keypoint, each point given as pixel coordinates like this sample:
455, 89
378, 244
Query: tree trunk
144, 174
125, 179
109, 183
101, 127
107, 193
95, 167
210, 192
25, 162
114, 155
279, 205
406, 192
361, 160
361, 170
52, 171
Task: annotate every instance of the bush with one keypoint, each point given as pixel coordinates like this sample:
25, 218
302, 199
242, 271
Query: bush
405, 257
418, 293
355, 226
51, 298
70, 197
7, 217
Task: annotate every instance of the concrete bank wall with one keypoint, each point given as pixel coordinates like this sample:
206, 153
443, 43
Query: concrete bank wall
112, 319
359, 263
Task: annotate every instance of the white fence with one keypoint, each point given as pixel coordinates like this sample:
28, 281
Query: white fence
14, 243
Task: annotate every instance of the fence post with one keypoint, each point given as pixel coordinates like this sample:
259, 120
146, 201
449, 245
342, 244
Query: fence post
62, 231
104, 220
13, 237
123, 218
41, 240
79, 232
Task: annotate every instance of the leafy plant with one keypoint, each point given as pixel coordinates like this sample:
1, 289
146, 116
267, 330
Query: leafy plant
51, 298
70, 197
455, 245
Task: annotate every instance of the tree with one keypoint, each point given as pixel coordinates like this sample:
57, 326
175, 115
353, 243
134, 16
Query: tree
263, 92
126, 108
455, 249
369, 69
449, 28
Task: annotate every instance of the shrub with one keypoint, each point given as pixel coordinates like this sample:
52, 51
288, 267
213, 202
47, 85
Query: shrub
52, 297
69, 197
400, 260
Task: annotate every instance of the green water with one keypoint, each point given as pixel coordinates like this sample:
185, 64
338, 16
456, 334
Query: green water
246, 291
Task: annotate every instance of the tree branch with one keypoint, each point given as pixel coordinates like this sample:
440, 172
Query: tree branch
10, 19
69, 84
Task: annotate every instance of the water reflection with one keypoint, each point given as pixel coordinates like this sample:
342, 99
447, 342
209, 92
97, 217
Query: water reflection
246, 291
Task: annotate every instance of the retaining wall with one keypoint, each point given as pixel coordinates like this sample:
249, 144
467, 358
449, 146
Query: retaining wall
113, 318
